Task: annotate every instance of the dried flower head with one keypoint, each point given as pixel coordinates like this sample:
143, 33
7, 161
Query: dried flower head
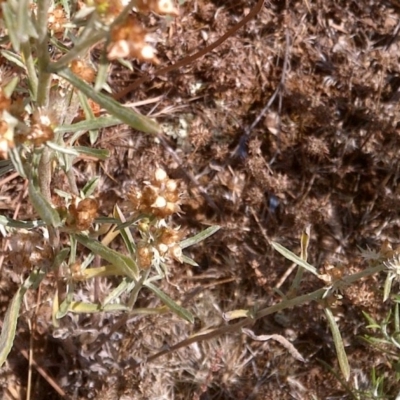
81, 213
7, 125
5, 102
393, 265
57, 19
41, 128
130, 40
160, 197
83, 70
76, 272
163, 7
145, 255
6, 139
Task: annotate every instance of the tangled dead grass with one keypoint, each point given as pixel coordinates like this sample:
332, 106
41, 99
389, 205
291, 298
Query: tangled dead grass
325, 153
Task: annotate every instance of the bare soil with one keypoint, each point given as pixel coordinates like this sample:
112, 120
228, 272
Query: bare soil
324, 153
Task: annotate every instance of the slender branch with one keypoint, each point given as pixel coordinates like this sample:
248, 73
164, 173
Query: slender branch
297, 301
43, 53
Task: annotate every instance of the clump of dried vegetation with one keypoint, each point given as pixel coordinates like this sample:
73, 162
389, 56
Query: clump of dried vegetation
285, 135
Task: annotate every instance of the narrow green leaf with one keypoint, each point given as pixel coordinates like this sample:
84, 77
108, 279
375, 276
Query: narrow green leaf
235, 314
43, 207
5, 167
81, 307
125, 264
339, 346
70, 151
125, 233
388, 286
14, 223
23, 21
10, 21
90, 186
87, 125
199, 237
188, 260
371, 322
104, 270
136, 289
14, 58
8, 90
100, 154
304, 243
102, 74
396, 318
292, 257
133, 119
182, 312
118, 291
11, 317
10, 325
93, 133
60, 258
64, 306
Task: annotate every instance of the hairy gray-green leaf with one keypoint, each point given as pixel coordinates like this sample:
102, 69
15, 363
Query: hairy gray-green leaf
87, 125
188, 260
292, 257
93, 133
11, 318
199, 237
339, 346
14, 58
133, 119
70, 151
90, 186
43, 207
100, 154
11, 24
171, 304
388, 286
125, 264
15, 223
5, 167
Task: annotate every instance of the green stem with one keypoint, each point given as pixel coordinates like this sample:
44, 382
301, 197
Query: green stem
44, 172
43, 53
30, 68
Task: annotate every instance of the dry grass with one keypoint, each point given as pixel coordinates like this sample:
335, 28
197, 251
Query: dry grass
324, 153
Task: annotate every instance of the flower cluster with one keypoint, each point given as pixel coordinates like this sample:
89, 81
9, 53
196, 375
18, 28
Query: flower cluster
163, 7
130, 39
160, 197
57, 20
41, 129
159, 242
393, 265
81, 213
83, 70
